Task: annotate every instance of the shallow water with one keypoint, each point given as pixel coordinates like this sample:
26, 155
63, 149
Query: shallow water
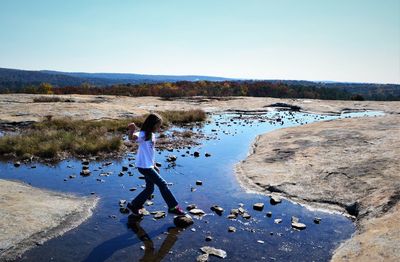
104, 238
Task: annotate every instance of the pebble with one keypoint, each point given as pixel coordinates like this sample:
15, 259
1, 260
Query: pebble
217, 209
246, 216
199, 183
124, 168
275, 200
197, 211
209, 238
317, 220
269, 214
132, 189
183, 221
277, 221
296, 224
159, 214
214, 251
231, 229
191, 206
85, 172
207, 154
260, 241
258, 206
196, 154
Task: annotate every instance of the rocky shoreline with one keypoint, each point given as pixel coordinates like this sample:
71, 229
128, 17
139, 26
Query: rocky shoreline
348, 165
50, 214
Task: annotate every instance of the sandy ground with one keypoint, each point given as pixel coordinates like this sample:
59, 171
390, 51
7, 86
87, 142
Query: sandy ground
349, 165
30, 216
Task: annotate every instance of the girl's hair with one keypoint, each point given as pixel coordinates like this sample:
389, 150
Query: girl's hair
149, 123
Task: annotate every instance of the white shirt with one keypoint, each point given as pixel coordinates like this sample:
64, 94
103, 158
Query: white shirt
145, 155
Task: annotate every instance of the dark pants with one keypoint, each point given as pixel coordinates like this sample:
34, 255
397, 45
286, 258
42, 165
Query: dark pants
152, 177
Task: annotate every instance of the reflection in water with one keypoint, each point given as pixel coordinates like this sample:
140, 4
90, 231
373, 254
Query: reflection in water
105, 250
150, 253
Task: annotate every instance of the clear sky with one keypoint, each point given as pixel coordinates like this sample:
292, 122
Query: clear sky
339, 40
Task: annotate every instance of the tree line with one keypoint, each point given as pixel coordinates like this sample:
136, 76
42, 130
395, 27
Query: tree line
276, 89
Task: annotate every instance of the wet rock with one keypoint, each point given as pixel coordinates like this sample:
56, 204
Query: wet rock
258, 206
85, 172
296, 224
193, 229
72, 176
277, 221
121, 173
217, 209
246, 215
317, 220
231, 216
183, 221
231, 229
209, 238
125, 168
197, 212
191, 206
159, 214
172, 158
158, 164
100, 180
214, 251
207, 154
269, 214
275, 200
85, 167
132, 189
202, 258
85, 162
122, 202
260, 241
192, 189
199, 183
196, 154
131, 165
144, 212
235, 212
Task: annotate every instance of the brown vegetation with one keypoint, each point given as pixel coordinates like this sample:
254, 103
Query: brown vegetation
51, 137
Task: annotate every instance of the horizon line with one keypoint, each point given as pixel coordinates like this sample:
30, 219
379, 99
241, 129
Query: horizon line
228, 78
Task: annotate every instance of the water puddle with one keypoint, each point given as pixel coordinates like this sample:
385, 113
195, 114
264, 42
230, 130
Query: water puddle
106, 236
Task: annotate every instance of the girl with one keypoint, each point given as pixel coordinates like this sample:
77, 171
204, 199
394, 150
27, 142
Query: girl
145, 164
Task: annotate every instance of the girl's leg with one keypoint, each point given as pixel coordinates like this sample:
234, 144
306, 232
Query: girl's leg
140, 199
155, 177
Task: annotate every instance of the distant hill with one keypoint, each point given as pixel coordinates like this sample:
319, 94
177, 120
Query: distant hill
14, 79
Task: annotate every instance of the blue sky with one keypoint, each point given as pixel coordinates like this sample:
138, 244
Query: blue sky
339, 40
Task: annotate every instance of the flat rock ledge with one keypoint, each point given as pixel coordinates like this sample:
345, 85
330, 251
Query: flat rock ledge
30, 216
347, 165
